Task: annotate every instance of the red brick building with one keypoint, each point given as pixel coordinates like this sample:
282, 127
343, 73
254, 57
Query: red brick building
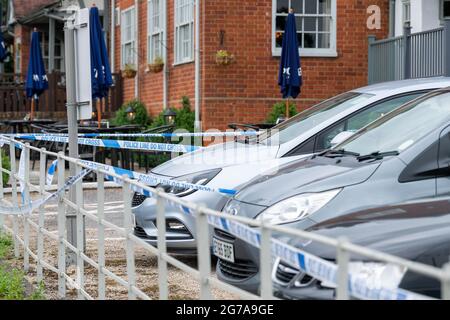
333, 38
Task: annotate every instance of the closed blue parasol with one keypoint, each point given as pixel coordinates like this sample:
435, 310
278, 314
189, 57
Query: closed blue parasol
37, 81
101, 77
290, 73
3, 51
101, 71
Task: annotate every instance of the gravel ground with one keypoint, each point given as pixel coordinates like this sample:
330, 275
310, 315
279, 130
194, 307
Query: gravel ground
181, 285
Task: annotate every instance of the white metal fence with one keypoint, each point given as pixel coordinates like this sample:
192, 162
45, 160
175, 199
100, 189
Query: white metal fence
204, 217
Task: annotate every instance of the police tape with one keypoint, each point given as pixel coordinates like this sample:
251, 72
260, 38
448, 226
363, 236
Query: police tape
320, 269
314, 266
33, 205
116, 144
149, 179
150, 135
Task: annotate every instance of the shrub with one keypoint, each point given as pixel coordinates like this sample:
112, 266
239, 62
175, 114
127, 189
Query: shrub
139, 108
6, 164
185, 119
279, 110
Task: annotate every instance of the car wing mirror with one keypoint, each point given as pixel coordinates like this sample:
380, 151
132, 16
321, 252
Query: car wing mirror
341, 137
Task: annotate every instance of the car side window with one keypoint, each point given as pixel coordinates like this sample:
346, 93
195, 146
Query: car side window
361, 119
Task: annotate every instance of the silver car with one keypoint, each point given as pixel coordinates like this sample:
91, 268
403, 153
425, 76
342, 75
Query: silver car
229, 165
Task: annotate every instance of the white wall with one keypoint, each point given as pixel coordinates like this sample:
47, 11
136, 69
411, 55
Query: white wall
424, 15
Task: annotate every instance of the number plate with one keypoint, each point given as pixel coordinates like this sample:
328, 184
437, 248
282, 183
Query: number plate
223, 250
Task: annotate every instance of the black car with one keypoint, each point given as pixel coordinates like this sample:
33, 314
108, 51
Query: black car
418, 231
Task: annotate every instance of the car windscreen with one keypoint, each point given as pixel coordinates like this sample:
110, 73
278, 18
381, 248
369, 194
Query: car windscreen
401, 128
312, 117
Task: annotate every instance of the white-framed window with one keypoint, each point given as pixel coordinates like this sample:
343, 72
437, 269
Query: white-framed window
128, 36
316, 26
445, 9
155, 30
406, 11
58, 52
184, 31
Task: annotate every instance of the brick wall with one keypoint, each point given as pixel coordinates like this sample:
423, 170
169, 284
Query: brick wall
245, 91
24, 33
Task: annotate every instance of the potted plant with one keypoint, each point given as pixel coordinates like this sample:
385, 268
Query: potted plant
129, 71
157, 65
224, 58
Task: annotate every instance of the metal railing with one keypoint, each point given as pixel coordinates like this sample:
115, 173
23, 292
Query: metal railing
203, 215
417, 55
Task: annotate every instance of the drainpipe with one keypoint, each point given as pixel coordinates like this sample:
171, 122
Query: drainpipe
113, 35
197, 67
392, 17
136, 79
166, 57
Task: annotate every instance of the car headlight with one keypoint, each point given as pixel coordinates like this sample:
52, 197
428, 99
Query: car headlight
297, 208
375, 274
200, 178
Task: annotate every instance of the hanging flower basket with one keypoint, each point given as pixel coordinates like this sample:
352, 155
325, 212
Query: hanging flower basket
129, 72
224, 58
155, 67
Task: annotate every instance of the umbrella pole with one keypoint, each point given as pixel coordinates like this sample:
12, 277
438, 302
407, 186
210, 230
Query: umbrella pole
32, 109
287, 108
99, 113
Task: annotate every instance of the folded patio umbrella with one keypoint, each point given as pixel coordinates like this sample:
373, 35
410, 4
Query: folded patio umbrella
37, 81
101, 71
290, 73
3, 51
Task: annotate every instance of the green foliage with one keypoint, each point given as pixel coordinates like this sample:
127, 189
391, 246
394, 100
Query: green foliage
6, 164
5, 245
12, 282
185, 119
279, 110
39, 293
185, 116
139, 108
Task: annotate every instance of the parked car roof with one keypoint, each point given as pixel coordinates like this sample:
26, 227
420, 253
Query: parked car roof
401, 85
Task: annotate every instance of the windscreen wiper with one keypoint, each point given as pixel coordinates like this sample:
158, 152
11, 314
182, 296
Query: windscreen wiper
338, 153
378, 155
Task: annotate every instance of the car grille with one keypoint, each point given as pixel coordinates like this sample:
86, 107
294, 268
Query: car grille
285, 274
185, 234
239, 270
138, 199
139, 232
224, 235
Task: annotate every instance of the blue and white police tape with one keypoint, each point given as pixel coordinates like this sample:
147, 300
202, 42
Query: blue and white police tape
150, 135
116, 144
33, 205
149, 179
51, 173
359, 286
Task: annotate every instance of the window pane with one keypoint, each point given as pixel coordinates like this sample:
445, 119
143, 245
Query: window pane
282, 6
311, 6
299, 23
325, 6
280, 23
297, 5
324, 40
310, 24
446, 9
324, 24
300, 39
370, 115
279, 39
310, 40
